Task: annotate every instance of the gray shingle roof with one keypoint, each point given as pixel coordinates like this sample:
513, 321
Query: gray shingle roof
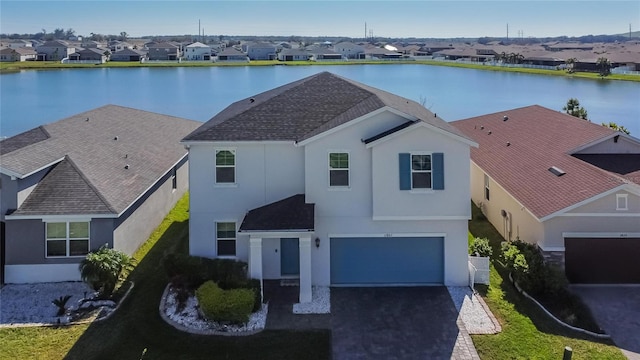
147, 142
305, 108
292, 213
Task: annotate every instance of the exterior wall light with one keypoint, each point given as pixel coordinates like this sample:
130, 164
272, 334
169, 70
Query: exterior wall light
317, 242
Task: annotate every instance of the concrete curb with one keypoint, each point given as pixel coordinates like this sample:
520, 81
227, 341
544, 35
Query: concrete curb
183, 328
560, 322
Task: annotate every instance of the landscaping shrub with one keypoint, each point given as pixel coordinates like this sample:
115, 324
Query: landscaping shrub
194, 270
185, 270
228, 273
103, 268
480, 247
232, 306
255, 286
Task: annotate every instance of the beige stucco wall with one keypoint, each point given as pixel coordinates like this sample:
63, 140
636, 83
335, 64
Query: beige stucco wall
607, 204
610, 146
524, 226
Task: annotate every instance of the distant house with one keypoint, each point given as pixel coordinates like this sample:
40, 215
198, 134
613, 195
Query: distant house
163, 51
89, 54
55, 50
17, 54
197, 51
15, 44
293, 55
105, 176
128, 55
117, 45
381, 54
320, 53
231, 54
349, 50
568, 185
90, 44
259, 51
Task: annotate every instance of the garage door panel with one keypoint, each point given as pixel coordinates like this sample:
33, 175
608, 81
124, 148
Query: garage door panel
602, 260
396, 260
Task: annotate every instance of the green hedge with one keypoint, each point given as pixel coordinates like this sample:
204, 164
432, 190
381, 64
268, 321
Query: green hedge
232, 306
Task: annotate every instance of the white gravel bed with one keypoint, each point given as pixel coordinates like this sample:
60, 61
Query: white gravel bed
320, 302
473, 314
190, 317
30, 304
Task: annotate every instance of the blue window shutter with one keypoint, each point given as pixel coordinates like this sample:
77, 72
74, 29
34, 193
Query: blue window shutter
405, 171
438, 171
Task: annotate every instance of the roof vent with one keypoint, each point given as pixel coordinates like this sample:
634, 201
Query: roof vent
126, 166
505, 118
115, 138
556, 171
481, 127
508, 143
87, 119
435, 115
489, 133
252, 100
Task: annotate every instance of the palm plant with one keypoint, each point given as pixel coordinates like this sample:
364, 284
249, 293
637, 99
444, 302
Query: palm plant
573, 108
103, 268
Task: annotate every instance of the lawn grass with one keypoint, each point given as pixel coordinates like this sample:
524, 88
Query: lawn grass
527, 332
8, 67
137, 325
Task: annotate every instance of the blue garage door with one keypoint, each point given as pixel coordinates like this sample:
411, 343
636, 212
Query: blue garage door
387, 260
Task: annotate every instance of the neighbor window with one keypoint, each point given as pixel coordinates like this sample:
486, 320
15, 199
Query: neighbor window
339, 169
486, 187
421, 171
174, 178
225, 166
622, 202
67, 239
226, 238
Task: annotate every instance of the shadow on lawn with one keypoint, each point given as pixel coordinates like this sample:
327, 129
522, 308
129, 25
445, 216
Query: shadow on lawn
137, 325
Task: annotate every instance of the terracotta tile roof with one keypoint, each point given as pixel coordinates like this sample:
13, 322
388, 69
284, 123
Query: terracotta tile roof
302, 109
518, 152
148, 142
292, 213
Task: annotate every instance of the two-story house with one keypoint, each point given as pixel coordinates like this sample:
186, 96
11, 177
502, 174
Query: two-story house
197, 51
332, 182
105, 176
55, 50
163, 51
259, 50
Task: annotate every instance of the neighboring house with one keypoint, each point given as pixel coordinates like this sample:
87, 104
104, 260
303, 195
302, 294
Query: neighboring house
382, 54
90, 54
105, 176
570, 186
18, 54
259, 51
231, 54
197, 51
163, 51
332, 182
128, 55
320, 53
293, 55
15, 44
55, 50
117, 45
349, 50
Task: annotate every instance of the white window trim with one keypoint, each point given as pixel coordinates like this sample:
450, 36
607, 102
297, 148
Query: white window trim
348, 169
67, 239
235, 223
421, 190
622, 197
215, 166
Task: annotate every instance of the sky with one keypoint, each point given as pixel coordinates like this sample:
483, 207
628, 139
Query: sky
418, 18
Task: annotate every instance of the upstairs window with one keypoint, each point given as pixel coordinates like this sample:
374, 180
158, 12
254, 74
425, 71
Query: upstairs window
225, 166
65, 239
339, 169
622, 202
421, 171
226, 238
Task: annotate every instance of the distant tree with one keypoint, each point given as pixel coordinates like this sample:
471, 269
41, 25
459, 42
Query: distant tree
123, 36
614, 126
571, 63
604, 66
573, 108
58, 33
69, 33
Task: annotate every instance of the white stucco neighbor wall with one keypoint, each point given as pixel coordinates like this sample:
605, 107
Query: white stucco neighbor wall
611, 146
265, 173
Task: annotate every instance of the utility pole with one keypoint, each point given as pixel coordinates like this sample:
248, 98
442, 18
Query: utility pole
507, 31
199, 33
365, 31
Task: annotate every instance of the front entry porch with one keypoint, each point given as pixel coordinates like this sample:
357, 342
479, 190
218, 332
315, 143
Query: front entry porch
289, 223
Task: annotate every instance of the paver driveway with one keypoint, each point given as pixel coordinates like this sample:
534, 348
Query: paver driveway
617, 311
397, 323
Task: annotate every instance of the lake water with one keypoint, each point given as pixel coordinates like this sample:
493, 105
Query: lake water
31, 98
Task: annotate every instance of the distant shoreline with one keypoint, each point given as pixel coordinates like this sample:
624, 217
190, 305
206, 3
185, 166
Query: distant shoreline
9, 67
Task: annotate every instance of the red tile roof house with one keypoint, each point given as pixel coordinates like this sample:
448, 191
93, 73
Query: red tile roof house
332, 182
566, 184
105, 176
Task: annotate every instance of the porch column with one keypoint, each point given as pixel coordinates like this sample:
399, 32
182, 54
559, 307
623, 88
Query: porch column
255, 258
305, 269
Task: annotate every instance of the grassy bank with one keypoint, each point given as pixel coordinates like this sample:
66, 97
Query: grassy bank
8, 67
527, 332
137, 324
